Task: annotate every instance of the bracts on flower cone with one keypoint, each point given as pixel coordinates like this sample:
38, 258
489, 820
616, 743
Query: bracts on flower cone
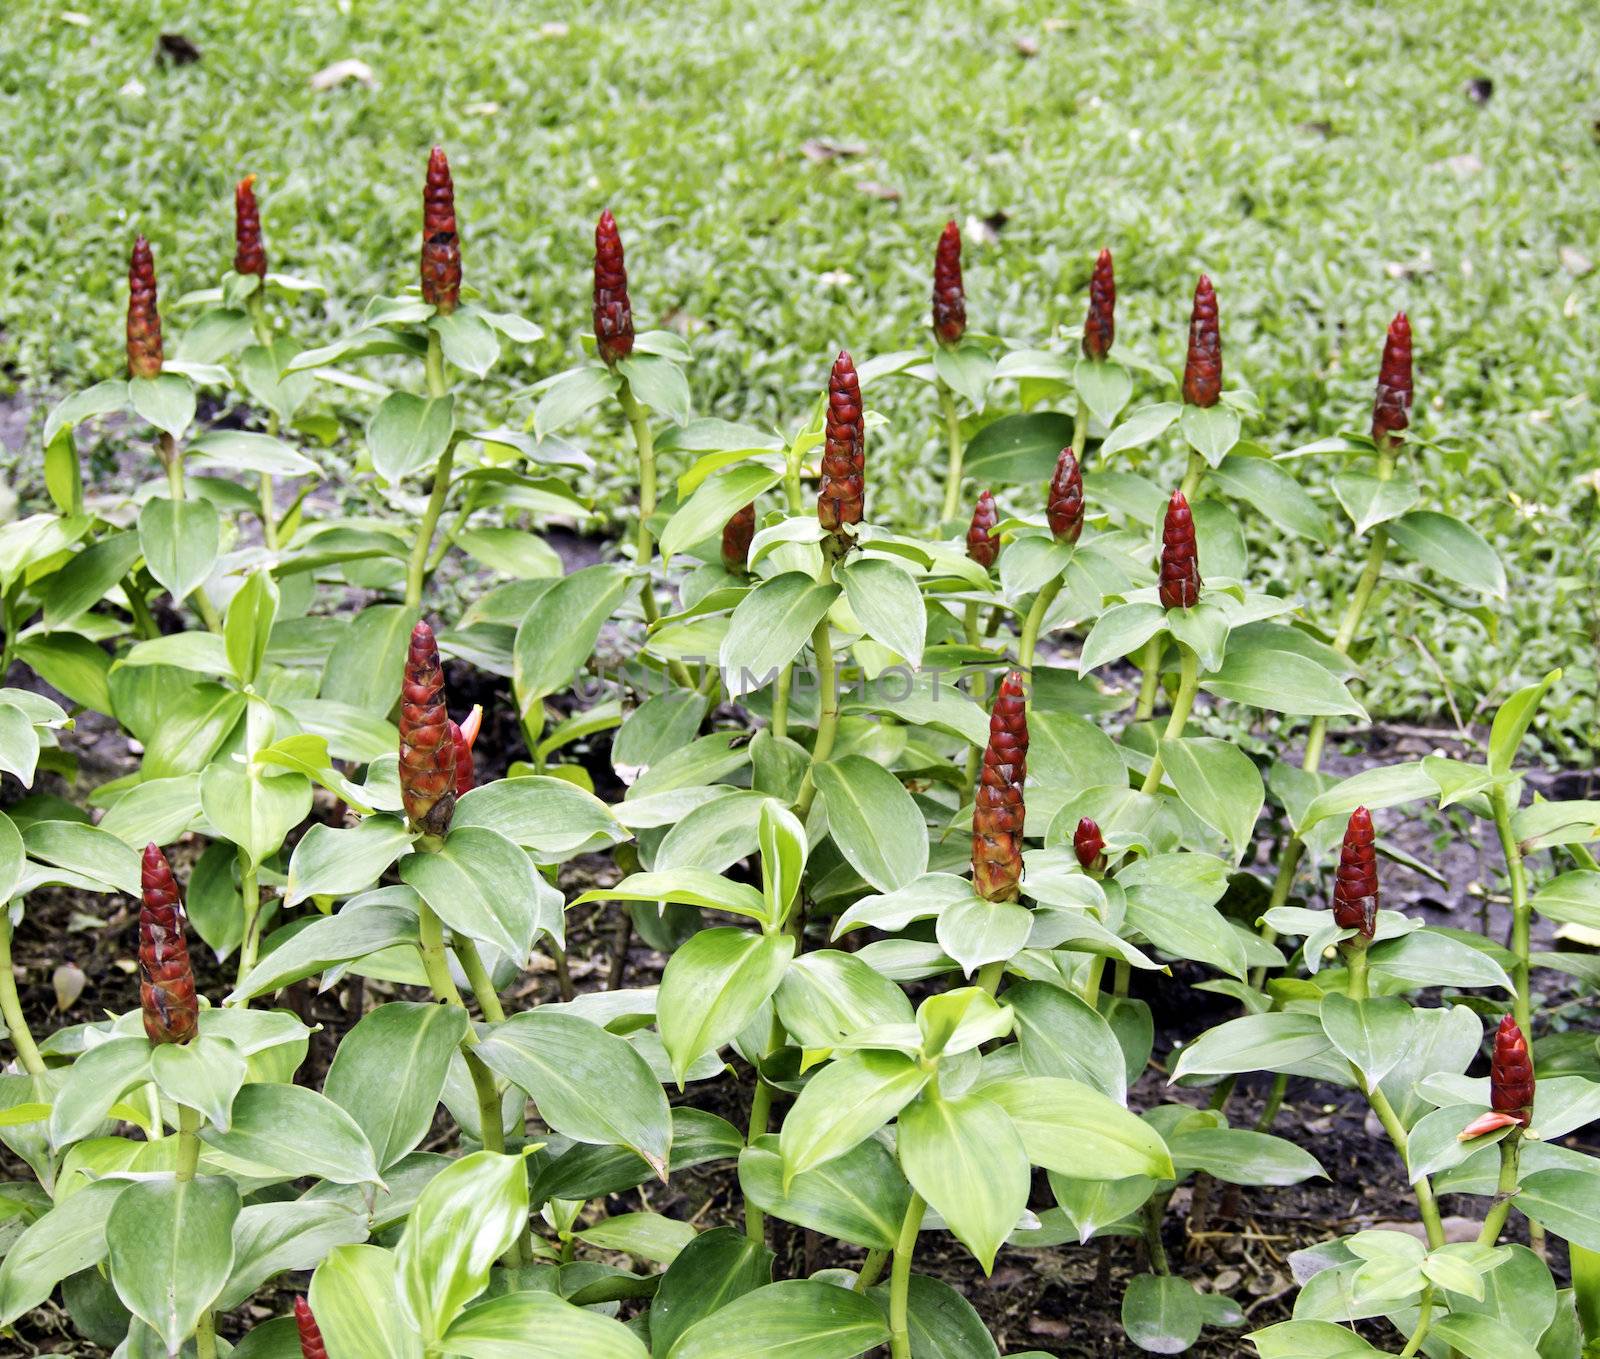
1202, 371
144, 317
949, 297
1100, 326
311, 1343
1355, 886
441, 245
166, 978
463, 737
841, 497
983, 544
613, 312
1088, 844
1510, 1083
1179, 586
249, 253
428, 759
1064, 503
998, 811
737, 535
1391, 408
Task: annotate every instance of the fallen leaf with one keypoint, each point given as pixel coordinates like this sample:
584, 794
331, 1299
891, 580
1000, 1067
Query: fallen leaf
1467, 163
554, 29
873, 189
1575, 262
1027, 46
820, 152
351, 68
68, 981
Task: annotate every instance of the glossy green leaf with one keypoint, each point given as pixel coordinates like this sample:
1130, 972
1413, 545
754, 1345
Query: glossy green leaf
1219, 783
353, 1296
286, 1131
888, 604
859, 1197
68, 1238
769, 627
1455, 551
556, 636
481, 885
795, 1319
407, 434
180, 540
874, 821
713, 986
537, 1325
845, 1103
333, 862
714, 1269
1161, 1313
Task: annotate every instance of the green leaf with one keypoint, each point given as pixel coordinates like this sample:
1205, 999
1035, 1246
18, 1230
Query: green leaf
716, 500
1059, 1034
407, 434
874, 821
83, 582
715, 1268
769, 627
367, 662
238, 450
333, 862
253, 809
166, 401
538, 1325
1240, 1156
1219, 783
1072, 1129
390, 1070
88, 850
1273, 492
171, 1248
888, 604
860, 1197
1119, 631
1571, 898
1370, 500
1482, 1337
645, 1236
180, 540
465, 1219
1160, 1312
205, 1074
1512, 721
658, 383
468, 341
1210, 430
158, 810
12, 856
550, 818
353, 1297
690, 886
97, 1080
845, 1103
249, 624
1018, 448
826, 996
562, 1061
286, 1131
1374, 1033
1265, 1042
481, 885
1105, 387
1281, 681
100, 399
555, 638
1386, 786
1451, 548
270, 1238
69, 1238
966, 1158
569, 395
1142, 426
974, 931
713, 986
795, 1319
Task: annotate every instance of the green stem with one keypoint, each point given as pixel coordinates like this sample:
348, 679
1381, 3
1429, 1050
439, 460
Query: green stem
1091, 985
989, 975
449, 536
969, 626
828, 722
1149, 679
1193, 476
1495, 1220
142, 620
1424, 1324
644, 544
1080, 429
269, 509
172, 459
952, 479
1269, 1112
755, 1220
1182, 702
1154, 1207
900, 1280
478, 976
791, 480
1521, 913
417, 566
1030, 628
188, 1143
780, 701
250, 945
11, 1003
871, 1270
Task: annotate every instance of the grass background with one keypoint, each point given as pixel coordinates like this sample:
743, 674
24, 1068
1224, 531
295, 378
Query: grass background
1323, 162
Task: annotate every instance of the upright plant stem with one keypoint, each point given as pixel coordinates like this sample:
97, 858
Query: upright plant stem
1153, 1211
828, 722
1182, 703
1424, 1324
417, 566
1149, 679
478, 976
900, 1279
11, 1005
250, 945
172, 460
871, 1270
755, 1219
780, 701
1030, 629
269, 510
952, 480
1521, 912
205, 1331
644, 544
1495, 1219
1193, 475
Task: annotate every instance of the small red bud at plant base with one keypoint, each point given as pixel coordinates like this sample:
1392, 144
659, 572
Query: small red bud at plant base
1511, 1071
144, 320
1355, 887
441, 246
982, 544
949, 299
613, 313
1087, 843
1100, 326
1202, 373
1180, 557
249, 254
463, 738
737, 534
166, 980
311, 1346
428, 766
1064, 505
841, 497
997, 813
1391, 410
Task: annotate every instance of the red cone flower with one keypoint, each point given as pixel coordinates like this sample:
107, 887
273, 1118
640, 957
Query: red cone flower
1180, 557
249, 254
1202, 373
441, 246
983, 546
1391, 410
1087, 843
949, 299
144, 319
737, 535
1100, 326
463, 738
997, 813
841, 498
613, 313
1511, 1072
311, 1346
428, 765
1064, 504
166, 979
1355, 888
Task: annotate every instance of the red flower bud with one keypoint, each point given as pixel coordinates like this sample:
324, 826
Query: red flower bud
736, 537
144, 320
949, 300
1087, 843
841, 497
1064, 504
1355, 887
463, 738
428, 764
983, 545
1100, 326
1180, 557
166, 979
441, 246
311, 1346
613, 313
1511, 1071
249, 254
1391, 410
1202, 373
997, 813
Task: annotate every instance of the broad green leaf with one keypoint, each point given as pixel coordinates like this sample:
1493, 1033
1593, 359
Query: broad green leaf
1387, 786
1059, 1034
1240, 1156
1571, 898
1104, 385
1512, 721
1373, 1034
874, 821
171, 1249
974, 931
1266, 1042
166, 401
1275, 493
355, 932
1451, 548
1210, 430
555, 638
1119, 631
249, 624
888, 605
966, 1158
1072, 1129
68, 1238
468, 341
942, 1324
645, 1236
238, 450
860, 1197
845, 1103
180, 540
717, 1267
691, 886
1161, 1312
713, 986
333, 862
1018, 448
97, 1080
1219, 783
1281, 681
366, 664
253, 809
550, 818
88, 850
288, 1131
1370, 500
271, 1238
408, 433
769, 627
481, 885
795, 1319
1567, 1202
1482, 1337
1142, 426
205, 1074
536, 1325
713, 503
658, 382
568, 395
84, 581
353, 1295
825, 996
965, 368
